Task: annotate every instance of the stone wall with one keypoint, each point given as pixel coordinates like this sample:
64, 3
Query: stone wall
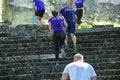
20, 11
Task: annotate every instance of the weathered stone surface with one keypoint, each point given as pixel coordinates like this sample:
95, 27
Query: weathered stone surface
27, 55
20, 11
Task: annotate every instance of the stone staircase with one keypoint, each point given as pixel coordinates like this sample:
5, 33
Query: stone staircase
27, 55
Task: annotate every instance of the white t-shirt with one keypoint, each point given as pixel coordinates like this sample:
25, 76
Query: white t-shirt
79, 71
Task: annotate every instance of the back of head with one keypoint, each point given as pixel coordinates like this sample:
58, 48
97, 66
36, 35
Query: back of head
78, 56
64, 4
54, 13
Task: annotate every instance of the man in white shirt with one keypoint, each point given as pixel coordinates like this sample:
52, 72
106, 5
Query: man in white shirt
79, 70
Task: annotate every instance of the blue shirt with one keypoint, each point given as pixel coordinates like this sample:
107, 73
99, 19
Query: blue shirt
57, 23
39, 4
79, 3
68, 13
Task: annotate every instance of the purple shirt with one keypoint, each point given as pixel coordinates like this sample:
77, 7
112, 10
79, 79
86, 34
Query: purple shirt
39, 4
57, 23
68, 13
79, 3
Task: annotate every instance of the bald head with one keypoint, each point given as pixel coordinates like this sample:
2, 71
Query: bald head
78, 56
64, 4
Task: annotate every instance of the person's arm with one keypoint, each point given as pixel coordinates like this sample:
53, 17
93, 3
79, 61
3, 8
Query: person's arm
65, 24
84, 8
75, 16
50, 28
73, 4
34, 7
94, 78
65, 76
93, 74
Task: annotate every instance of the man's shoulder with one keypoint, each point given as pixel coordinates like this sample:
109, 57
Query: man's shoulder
50, 18
72, 63
87, 64
69, 8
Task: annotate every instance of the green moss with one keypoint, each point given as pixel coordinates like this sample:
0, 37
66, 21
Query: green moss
24, 17
84, 25
4, 11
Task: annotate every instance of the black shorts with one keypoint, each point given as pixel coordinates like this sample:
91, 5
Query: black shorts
39, 13
79, 14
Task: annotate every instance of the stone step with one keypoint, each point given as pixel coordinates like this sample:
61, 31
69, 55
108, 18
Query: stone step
29, 58
79, 36
108, 72
105, 44
49, 50
87, 37
52, 76
39, 51
17, 37
87, 56
34, 48
4, 45
18, 41
50, 45
13, 49
24, 60
41, 69
98, 30
105, 41
56, 74
99, 34
46, 56
47, 37
112, 77
32, 70
97, 50
27, 46
98, 64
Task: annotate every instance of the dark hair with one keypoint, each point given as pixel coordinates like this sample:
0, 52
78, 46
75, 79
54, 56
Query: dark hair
54, 13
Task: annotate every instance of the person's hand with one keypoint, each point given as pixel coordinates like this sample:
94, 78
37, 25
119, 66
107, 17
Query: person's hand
83, 18
50, 34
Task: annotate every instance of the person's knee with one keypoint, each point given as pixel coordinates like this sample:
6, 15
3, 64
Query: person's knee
72, 35
39, 18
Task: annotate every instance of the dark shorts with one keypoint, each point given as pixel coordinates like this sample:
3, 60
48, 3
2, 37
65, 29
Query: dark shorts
79, 14
40, 13
71, 27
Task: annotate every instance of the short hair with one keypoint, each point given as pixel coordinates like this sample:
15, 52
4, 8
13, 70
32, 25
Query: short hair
54, 13
79, 56
64, 3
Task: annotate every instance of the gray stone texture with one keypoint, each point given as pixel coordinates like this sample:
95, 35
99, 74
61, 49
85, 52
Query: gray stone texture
27, 55
20, 11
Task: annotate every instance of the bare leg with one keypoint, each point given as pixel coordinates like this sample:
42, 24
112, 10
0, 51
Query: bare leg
66, 40
73, 38
74, 42
38, 20
78, 25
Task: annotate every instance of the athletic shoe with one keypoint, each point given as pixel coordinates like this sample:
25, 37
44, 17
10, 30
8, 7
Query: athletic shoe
38, 29
75, 48
63, 53
66, 47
